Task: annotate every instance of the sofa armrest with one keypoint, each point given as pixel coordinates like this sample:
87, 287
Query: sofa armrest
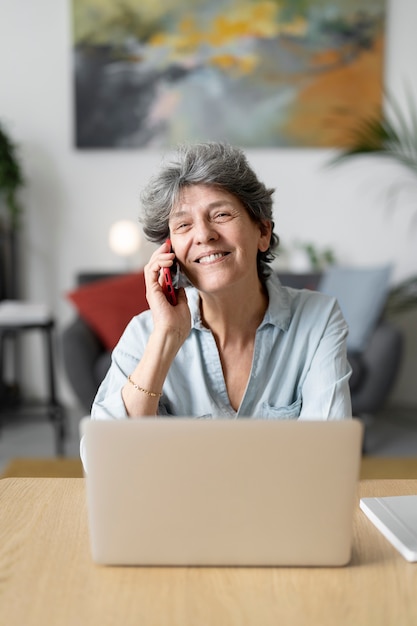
81, 349
380, 362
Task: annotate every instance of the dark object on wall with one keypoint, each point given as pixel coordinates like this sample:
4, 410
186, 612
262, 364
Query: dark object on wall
373, 371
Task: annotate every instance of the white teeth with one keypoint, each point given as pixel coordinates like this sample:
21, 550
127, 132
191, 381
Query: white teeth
210, 258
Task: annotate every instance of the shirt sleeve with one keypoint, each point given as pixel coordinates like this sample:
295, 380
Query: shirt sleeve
108, 403
325, 392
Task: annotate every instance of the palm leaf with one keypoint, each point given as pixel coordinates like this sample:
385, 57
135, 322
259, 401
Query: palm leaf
391, 135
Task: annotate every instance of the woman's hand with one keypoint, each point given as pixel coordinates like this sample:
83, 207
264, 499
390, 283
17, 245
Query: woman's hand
166, 317
172, 326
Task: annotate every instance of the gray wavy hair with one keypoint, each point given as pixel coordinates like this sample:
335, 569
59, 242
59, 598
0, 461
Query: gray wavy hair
214, 164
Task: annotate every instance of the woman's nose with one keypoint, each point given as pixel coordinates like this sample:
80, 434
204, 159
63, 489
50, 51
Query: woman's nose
205, 231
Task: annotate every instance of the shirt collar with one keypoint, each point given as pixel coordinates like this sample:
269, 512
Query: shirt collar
278, 312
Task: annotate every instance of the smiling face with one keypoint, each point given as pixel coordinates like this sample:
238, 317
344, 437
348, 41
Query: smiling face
215, 240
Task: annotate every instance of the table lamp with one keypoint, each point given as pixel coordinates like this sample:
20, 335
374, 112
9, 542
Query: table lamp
125, 238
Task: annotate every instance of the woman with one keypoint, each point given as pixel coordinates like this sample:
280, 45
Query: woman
238, 343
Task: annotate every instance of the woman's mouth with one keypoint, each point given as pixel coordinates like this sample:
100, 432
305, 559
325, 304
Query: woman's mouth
211, 258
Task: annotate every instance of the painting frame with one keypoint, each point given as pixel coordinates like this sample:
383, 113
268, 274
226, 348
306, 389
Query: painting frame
256, 73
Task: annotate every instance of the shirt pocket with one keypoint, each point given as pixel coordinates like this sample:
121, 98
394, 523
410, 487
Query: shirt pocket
290, 412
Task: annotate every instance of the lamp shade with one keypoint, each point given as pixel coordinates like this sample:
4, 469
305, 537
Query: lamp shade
124, 237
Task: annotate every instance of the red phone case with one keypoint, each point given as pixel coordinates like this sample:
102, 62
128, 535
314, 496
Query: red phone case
167, 285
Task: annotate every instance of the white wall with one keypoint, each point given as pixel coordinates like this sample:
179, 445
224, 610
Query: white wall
71, 197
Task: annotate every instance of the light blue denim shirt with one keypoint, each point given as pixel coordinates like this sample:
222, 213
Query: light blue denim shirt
299, 368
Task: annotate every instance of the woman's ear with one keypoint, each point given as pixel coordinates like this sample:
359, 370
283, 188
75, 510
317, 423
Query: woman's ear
266, 232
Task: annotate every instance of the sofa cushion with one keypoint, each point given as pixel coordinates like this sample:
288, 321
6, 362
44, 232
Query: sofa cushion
361, 293
108, 305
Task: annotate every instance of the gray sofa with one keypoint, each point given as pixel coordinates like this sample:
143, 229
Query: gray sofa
374, 369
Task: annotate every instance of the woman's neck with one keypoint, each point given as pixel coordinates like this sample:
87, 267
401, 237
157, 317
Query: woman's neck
234, 317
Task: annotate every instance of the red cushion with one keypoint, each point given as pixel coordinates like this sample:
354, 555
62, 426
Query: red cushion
108, 305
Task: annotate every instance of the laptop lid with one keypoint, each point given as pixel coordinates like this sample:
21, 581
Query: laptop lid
247, 492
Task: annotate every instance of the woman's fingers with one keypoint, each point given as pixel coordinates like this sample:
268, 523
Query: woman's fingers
162, 257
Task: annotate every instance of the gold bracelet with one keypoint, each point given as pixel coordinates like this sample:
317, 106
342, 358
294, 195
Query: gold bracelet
153, 394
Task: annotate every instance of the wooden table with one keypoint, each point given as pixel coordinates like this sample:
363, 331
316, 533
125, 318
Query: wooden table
47, 577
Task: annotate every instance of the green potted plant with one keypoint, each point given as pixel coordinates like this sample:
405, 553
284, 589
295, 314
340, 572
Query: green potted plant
11, 179
391, 134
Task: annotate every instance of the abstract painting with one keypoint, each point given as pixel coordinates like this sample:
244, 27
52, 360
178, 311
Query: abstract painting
255, 73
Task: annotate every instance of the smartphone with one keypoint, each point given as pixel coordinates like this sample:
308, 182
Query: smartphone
168, 284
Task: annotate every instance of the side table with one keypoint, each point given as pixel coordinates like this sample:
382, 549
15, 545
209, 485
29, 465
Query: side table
17, 317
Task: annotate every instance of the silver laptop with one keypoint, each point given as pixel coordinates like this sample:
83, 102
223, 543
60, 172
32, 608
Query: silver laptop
246, 492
